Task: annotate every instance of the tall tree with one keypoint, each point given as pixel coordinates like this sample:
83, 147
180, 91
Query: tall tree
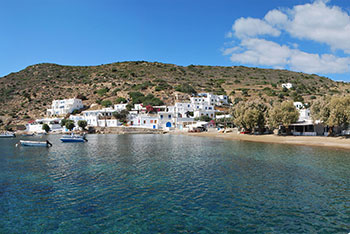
249, 115
283, 114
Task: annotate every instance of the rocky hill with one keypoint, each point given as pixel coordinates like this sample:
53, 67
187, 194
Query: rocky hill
28, 93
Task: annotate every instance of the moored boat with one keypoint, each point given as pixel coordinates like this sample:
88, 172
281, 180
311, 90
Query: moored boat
73, 138
35, 143
7, 135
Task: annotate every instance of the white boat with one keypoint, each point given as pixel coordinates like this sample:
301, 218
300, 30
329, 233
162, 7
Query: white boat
73, 138
7, 135
35, 143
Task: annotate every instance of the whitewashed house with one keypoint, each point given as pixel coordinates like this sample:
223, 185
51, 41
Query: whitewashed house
120, 107
65, 106
144, 121
211, 99
101, 118
37, 125
305, 126
76, 119
287, 85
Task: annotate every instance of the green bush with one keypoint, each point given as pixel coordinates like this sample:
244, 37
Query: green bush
186, 88
120, 100
46, 128
106, 103
82, 124
102, 91
138, 98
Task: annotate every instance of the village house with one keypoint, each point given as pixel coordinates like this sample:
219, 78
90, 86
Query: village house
287, 85
64, 107
101, 118
210, 99
37, 125
305, 126
177, 116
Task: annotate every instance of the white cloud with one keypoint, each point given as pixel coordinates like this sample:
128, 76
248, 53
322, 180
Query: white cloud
321, 23
250, 27
314, 63
267, 53
261, 52
276, 18
316, 22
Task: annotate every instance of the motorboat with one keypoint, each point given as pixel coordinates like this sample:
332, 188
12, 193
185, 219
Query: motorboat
73, 138
7, 135
35, 143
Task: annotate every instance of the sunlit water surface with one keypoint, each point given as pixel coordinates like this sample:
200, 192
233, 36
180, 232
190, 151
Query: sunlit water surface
172, 184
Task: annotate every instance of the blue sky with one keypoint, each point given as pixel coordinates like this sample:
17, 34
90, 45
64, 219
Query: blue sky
308, 36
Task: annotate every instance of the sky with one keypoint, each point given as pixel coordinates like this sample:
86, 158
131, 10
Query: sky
303, 36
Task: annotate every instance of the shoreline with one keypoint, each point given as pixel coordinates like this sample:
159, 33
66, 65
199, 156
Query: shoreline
315, 141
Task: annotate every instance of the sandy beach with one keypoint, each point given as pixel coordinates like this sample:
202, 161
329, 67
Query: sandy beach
335, 142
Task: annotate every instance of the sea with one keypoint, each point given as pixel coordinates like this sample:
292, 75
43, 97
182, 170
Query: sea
172, 184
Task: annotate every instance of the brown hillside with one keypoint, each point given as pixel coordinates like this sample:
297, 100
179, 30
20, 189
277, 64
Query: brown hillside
28, 93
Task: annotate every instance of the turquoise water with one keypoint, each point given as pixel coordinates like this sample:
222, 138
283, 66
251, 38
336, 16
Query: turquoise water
172, 184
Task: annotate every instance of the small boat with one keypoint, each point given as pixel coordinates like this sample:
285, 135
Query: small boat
73, 138
7, 135
28, 134
35, 143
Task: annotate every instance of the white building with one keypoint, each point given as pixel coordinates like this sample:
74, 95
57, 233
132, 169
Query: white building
287, 85
144, 121
211, 99
37, 125
101, 118
120, 107
65, 106
304, 113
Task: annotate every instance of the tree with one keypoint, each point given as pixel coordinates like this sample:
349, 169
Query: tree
283, 114
70, 125
63, 122
332, 111
249, 115
46, 128
339, 113
106, 103
122, 115
82, 124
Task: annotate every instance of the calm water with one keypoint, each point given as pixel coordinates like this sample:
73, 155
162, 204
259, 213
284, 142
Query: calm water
172, 184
